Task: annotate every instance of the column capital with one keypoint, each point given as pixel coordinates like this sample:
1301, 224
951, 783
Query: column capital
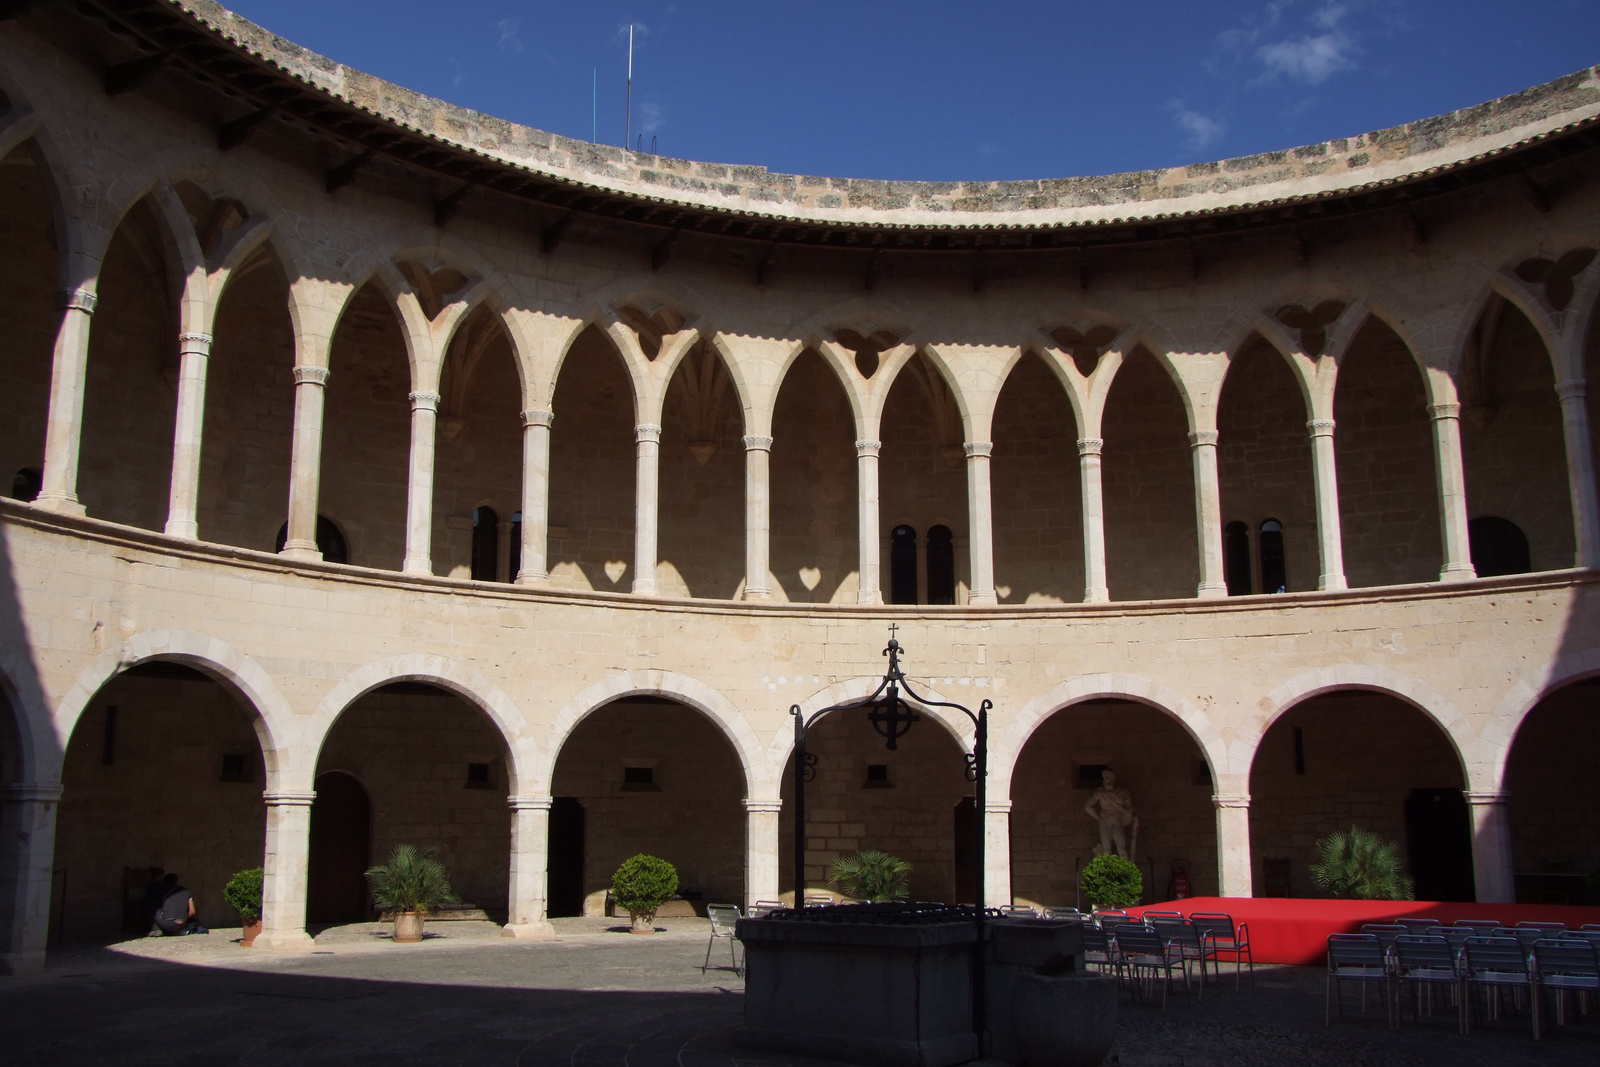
978, 448
424, 401
23, 792
1201, 438
197, 343
1572, 389
1486, 797
1440, 412
1320, 427
757, 443
1231, 800
997, 807
313, 375
77, 300
868, 448
647, 433
763, 805
289, 798
536, 417
1091, 446
529, 802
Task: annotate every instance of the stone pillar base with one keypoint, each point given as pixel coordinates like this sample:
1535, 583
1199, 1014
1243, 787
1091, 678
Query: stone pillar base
537, 931
61, 505
1457, 574
26, 962
285, 941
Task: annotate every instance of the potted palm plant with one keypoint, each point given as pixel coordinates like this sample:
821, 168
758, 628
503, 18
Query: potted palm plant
1361, 865
243, 893
871, 875
410, 883
641, 885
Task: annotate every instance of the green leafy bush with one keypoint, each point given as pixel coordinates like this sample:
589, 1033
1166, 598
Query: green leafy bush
1361, 865
412, 879
870, 875
243, 894
1110, 881
642, 884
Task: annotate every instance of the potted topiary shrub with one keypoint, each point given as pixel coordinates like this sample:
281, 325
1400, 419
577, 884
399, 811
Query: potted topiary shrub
243, 894
641, 885
871, 875
411, 883
1111, 882
1361, 865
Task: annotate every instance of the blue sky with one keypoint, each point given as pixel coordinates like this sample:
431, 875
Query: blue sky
940, 90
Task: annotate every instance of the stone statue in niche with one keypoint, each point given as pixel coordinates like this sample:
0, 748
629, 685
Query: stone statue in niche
1112, 808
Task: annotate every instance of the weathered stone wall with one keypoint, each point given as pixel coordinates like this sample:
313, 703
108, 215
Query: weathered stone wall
813, 479
920, 482
1038, 498
701, 540
592, 470
28, 315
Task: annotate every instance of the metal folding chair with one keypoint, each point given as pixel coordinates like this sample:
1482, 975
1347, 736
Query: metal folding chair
1097, 950
1425, 961
1385, 933
1565, 963
1063, 913
1219, 935
819, 902
1357, 958
1493, 964
1142, 952
724, 919
1484, 927
1557, 927
1019, 911
1419, 926
1180, 934
762, 908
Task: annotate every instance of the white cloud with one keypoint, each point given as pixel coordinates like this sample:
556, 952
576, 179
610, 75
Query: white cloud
1200, 129
507, 35
651, 117
1308, 59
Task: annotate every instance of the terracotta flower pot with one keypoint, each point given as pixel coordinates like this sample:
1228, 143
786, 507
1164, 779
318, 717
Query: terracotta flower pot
408, 927
252, 927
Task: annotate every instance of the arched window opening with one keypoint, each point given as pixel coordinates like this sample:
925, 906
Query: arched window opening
1498, 547
485, 544
1274, 572
941, 566
903, 566
330, 541
516, 548
25, 484
1236, 558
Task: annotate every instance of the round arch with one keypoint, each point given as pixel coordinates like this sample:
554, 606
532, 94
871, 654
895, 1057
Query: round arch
1492, 749
958, 726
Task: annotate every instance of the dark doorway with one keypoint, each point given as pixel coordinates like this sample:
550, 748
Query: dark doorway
485, 544
1274, 570
341, 827
1236, 558
1439, 844
903, 565
966, 827
941, 566
566, 858
1498, 547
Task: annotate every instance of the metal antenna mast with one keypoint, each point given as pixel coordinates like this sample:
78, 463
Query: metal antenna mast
627, 123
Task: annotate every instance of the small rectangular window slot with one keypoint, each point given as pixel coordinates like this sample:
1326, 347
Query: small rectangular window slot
478, 776
1202, 773
1089, 775
1299, 751
878, 776
639, 780
108, 744
236, 767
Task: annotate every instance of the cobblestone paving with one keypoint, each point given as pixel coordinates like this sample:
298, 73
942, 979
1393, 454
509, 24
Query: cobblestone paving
597, 996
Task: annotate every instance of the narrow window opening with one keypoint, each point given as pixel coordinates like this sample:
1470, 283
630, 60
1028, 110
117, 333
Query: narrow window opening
1498, 547
878, 776
478, 776
1299, 751
1274, 573
639, 780
516, 547
25, 484
235, 768
330, 542
1236, 558
485, 544
108, 741
941, 566
903, 566
1089, 775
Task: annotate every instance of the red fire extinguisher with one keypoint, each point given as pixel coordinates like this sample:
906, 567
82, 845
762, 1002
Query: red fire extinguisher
1180, 885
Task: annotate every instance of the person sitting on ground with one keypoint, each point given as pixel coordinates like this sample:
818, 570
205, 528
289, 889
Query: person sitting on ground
154, 893
177, 914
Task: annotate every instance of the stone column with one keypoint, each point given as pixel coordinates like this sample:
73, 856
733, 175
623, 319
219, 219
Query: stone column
27, 853
1208, 513
535, 568
761, 850
194, 351
530, 866
1095, 590
1580, 471
996, 854
286, 865
419, 484
1491, 848
1452, 493
980, 522
305, 462
1325, 481
869, 551
1233, 844
64, 430
646, 506
757, 516
502, 551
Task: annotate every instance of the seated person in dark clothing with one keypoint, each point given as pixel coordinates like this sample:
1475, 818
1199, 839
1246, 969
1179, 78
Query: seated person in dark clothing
154, 892
177, 914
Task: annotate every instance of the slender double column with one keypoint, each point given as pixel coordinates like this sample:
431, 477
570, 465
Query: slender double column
535, 566
194, 353
305, 462
530, 867
1574, 394
1325, 480
419, 484
1452, 480
1233, 843
869, 550
63, 434
1095, 590
1491, 847
286, 866
761, 850
980, 522
646, 506
27, 851
757, 516
1208, 513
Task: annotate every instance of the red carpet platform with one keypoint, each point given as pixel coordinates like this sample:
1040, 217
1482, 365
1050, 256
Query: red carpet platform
1296, 931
